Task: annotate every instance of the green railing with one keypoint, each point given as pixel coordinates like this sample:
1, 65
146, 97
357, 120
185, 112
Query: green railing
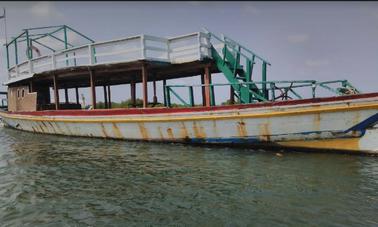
237, 64
286, 90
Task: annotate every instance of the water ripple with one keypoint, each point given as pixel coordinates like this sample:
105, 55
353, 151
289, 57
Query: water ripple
63, 181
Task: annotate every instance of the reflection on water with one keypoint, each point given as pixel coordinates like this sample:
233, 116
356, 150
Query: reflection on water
60, 181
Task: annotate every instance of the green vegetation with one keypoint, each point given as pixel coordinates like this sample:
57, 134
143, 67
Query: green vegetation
128, 104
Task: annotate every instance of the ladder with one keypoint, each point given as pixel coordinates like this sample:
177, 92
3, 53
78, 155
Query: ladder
228, 61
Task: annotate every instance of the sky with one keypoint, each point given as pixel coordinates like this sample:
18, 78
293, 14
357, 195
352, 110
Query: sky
302, 40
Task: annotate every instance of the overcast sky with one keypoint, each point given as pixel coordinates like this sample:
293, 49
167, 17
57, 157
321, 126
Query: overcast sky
302, 40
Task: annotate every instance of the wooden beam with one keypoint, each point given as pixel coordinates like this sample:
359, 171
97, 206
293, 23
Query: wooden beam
77, 95
105, 97
133, 91
66, 95
207, 86
144, 86
56, 92
109, 98
155, 97
93, 88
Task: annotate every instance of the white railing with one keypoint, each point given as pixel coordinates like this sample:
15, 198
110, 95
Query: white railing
176, 50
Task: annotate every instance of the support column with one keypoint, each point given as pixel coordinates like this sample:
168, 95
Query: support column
132, 91
232, 95
155, 97
93, 88
77, 95
56, 92
164, 95
203, 90
31, 88
66, 95
144, 86
109, 98
105, 97
207, 86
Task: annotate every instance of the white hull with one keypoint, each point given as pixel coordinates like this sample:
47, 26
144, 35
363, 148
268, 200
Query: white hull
337, 125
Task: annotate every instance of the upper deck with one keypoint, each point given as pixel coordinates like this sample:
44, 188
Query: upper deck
125, 52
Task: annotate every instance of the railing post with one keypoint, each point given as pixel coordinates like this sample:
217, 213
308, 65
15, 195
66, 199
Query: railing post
30, 66
272, 87
91, 55
53, 61
142, 46
313, 87
17, 70
167, 95
264, 90
212, 95
191, 98
199, 46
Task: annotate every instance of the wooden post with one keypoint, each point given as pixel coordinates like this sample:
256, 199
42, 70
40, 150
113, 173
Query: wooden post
132, 90
56, 92
207, 87
109, 98
31, 86
93, 88
144, 86
66, 95
105, 97
155, 97
77, 95
164, 95
232, 96
203, 90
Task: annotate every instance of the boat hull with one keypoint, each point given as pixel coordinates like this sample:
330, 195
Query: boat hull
329, 124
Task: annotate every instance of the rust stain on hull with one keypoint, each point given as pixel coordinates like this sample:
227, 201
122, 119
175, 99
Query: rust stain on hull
198, 131
170, 133
264, 130
241, 128
143, 131
160, 132
116, 131
103, 130
183, 131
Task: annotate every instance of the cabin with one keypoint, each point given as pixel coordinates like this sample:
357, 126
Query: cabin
61, 58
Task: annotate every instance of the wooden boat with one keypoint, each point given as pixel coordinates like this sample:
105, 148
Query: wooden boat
263, 116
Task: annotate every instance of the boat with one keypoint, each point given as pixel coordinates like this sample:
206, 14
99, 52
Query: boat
259, 113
